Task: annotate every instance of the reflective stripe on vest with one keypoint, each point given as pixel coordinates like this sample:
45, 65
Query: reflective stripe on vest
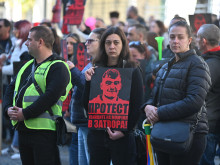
47, 116
34, 98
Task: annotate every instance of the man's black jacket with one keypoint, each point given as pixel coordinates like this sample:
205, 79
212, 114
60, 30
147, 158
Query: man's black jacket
212, 58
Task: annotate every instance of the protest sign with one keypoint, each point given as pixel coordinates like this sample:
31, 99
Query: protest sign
56, 12
74, 13
109, 98
64, 49
198, 20
81, 58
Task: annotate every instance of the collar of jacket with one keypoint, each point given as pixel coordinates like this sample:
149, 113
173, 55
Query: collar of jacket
213, 50
186, 54
181, 56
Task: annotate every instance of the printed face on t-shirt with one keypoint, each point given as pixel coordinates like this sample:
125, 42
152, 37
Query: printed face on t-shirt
80, 55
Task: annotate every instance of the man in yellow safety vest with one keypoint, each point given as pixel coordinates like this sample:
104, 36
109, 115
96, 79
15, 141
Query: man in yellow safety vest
28, 109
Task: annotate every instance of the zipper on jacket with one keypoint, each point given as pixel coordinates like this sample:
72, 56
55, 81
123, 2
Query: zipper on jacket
27, 80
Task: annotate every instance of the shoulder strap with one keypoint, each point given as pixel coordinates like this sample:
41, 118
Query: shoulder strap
161, 83
37, 87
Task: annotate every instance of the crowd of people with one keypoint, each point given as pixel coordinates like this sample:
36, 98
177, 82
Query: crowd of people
183, 86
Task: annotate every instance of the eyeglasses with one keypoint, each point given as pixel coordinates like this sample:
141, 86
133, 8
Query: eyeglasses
135, 43
89, 41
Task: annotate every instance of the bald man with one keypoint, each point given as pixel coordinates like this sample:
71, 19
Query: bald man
208, 38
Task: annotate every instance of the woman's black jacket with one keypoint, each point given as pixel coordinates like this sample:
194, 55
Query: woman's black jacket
184, 90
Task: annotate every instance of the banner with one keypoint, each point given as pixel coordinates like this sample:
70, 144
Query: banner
109, 98
56, 12
74, 13
198, 20
81, 58
64, 49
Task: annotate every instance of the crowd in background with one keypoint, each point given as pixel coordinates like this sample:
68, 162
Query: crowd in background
138, 38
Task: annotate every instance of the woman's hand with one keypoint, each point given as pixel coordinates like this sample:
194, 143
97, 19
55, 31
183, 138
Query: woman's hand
70, 64
114, 135
151, 114
82, 26
89, 73
67, 114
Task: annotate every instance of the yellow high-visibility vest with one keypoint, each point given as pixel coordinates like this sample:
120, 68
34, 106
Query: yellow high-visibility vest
43, 121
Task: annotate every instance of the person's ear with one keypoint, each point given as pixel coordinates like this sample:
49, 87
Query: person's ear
141, 36
190, 40
41, 42
204, 41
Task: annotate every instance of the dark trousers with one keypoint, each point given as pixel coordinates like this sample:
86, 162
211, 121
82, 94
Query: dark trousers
191, 158
102, 149
38, 148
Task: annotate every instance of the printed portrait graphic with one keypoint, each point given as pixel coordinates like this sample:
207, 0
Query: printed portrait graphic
197, 20
74, 13
109, 98
64, 49
81, 58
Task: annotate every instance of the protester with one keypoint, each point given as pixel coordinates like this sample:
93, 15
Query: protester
137, 32
115, 145
71, 39
129, 22
6, 44
114, 18
132, 13
182, 94
138, 51
99, 23
78, 115
167, 52
5, 40
208, 38
121, 25
151, 40
158, 27
21, 31
27, 109
6, 47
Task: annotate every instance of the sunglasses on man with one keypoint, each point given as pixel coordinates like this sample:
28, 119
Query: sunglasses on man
89, 41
